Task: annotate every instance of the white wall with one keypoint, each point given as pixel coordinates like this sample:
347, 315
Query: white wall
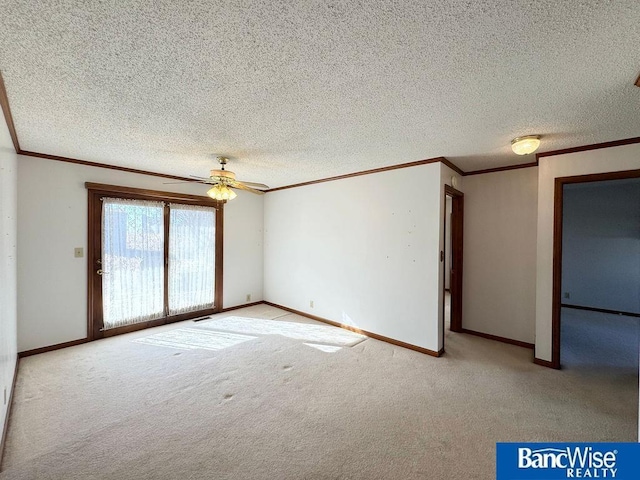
364, 249
52, 220
601, 245
8, 275
500, 253
243, 249
626, 157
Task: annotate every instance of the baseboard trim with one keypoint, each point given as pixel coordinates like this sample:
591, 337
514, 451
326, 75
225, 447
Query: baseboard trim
601, 310
498, 339
50, 348
382, 338
80, 341
6, 418
546, 363
252, 304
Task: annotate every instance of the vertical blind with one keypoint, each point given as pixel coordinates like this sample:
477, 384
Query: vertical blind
192, 259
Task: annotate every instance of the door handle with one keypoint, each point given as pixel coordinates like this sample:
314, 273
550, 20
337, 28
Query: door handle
100, 272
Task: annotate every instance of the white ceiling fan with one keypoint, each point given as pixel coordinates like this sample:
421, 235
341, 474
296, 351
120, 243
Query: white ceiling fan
224, 181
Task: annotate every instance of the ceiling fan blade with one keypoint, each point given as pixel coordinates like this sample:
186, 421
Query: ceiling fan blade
199, 178
261, 186
241, 186
205, 181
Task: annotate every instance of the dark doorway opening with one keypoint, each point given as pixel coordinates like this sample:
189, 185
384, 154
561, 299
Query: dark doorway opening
558, 293
452, 259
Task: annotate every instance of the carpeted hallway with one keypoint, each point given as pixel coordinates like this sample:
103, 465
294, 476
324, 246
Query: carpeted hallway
602, 341
290, 402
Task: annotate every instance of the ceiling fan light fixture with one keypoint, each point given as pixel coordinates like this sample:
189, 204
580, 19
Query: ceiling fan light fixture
221, 193
222, 174
525, 145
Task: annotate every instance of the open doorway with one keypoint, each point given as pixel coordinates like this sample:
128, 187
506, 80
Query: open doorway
596, 271
452, 259
447, 261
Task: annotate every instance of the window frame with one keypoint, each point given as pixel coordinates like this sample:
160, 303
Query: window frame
95, 191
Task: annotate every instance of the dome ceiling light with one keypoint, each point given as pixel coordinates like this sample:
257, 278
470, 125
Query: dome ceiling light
525, 145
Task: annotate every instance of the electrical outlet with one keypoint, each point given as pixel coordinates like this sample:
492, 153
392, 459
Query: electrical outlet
567, 295
248, 297
311, 303
78, 252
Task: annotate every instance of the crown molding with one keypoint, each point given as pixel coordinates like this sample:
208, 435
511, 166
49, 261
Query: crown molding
368, 172
502, 169
4, 103
102, 165
593, 146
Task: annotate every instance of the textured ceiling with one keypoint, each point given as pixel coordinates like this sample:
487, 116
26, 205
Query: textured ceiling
297, 91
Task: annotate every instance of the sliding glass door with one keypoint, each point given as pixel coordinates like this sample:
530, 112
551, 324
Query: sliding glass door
154, 258
132, 261
191, 258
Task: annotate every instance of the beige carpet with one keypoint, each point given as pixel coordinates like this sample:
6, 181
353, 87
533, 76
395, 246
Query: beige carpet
596, 340
272, 407
314, 333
